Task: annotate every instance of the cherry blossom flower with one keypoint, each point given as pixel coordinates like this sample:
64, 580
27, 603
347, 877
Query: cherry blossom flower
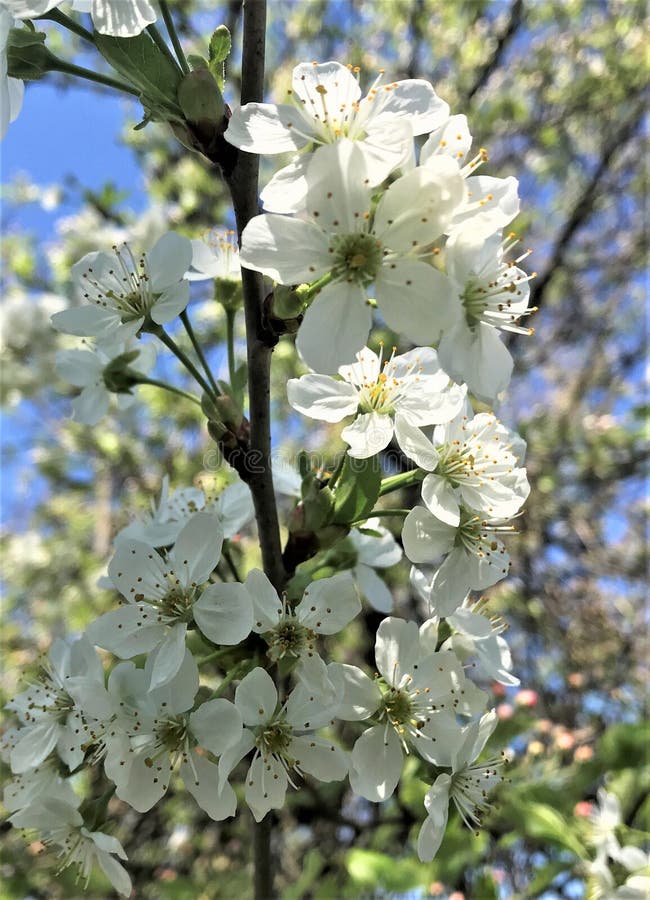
467, 785
90, 370
342, 237
391, 397
52, 712
475, 557
11, 89
113, 17
416, 702
59, 823
494, 295
325, 107
164, 596
123, 292
215, 256
376, 548
283, 737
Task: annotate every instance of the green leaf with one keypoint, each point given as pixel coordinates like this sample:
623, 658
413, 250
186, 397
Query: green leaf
142, 62
357, 489
543, 822
370, 869
219, 49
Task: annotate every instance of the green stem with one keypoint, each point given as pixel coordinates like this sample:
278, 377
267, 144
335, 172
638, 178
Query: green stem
55, 15
185, 319
161, 43
232, 675
307, 294
230, 562
337, 471
173, 36
183, 357
170, 388
382, 512
230, 339
404, 479
210, 657
60, 65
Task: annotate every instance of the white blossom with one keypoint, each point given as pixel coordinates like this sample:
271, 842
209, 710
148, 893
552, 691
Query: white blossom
342, 236
475, 557
416, 702
122, 292
325, 106
390, 397
283, 738
87, 369
164, 597
53, 711
467, 785
493, 293
215, 256
162, 735
376, 548
60, 823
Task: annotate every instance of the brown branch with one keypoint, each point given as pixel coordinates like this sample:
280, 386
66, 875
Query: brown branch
506, 36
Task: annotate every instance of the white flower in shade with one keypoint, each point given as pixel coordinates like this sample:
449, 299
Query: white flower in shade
283, 738
493, 293
467, 785
325, 106
164, 596
477, 466
416, 701
122, 292
11, 89
391, 397
475, 636
475, 557
35, 784
115, 17
376, 548
604, 820
343, 237
60, 824
233, 506
490, 203
163, 736
215, 256
53, 712
326, 607
161, 527
91, 371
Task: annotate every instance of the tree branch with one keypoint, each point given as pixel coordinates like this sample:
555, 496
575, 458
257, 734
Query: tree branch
506, 36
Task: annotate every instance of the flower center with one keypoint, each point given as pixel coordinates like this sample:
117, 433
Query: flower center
290, 638
274, 738
356, 257
125, 287
397, 706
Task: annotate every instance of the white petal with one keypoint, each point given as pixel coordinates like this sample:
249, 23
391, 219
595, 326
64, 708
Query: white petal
478, 357
288, 250
141, 785
198, 547
416, 300
335, 327
256, 697
331, 79
266, 786
426, 538
267, 606
378, 550
415, 100
329, 604
441, 500
138, 571
451, 138
415, 444
451, 583
322, 397
86, 320
265, 128
169, 259
34, 745
286, 192
234, 507
170, 656
116, 874
376, 764
319, 757
122, 19
433, 829
374, 588
361, 695
338, 195
397, 649
201, 778
217, 725
224, 613
79, 367
171, 303
127, 631
368, 434
178, 694
91, 405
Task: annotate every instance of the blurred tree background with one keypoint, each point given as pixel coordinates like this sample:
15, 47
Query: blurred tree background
556, 91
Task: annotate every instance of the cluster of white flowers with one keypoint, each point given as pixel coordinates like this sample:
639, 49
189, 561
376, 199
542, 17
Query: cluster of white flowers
605, 819
359, 221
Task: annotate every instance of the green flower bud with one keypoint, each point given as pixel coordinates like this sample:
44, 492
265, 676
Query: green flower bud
27, 56
118, 377
201, 101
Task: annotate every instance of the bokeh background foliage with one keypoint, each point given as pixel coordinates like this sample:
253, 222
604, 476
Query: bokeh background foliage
555, 90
